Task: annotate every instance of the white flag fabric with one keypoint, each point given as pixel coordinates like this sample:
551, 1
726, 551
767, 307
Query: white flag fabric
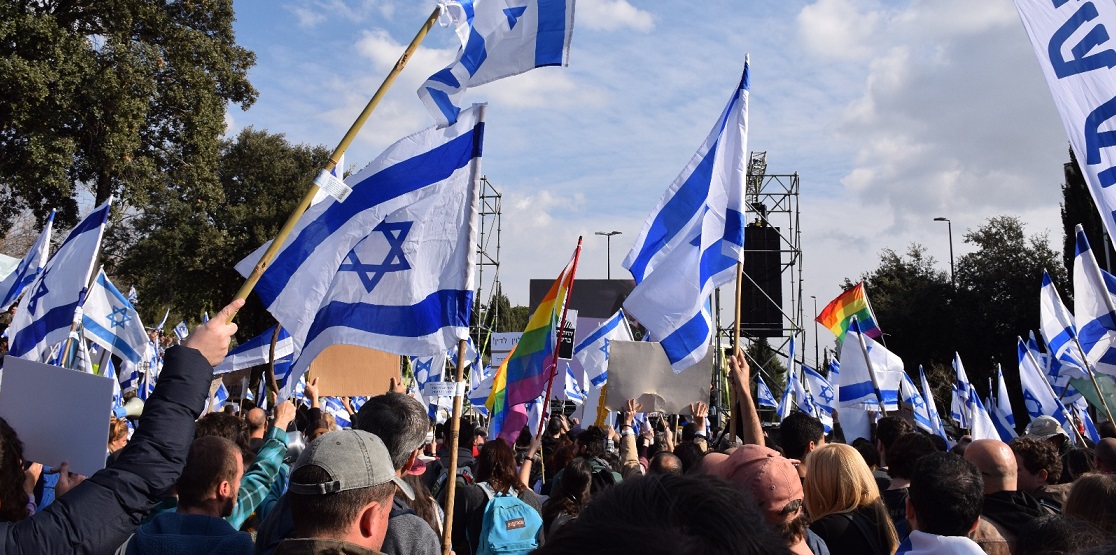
592, 352
1094, 308
692, 241
499, 38
855, 388
980, 423
1059, 332
1003, 402
1075, 49
764, 397
919, 407
335, 407
959, 405
821, 398
257, 351
29, 267
792, 388
574, 391
932, 408
182, 330
1038, 396
48, 308
109, 320
403, 287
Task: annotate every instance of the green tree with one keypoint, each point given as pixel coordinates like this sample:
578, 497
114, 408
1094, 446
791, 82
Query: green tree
1078, 208
182, 256
767, 362
125, 97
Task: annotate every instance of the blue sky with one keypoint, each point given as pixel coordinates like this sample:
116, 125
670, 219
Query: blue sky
892, 113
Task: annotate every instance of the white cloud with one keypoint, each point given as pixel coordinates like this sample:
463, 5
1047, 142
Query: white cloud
610, 15
839, 29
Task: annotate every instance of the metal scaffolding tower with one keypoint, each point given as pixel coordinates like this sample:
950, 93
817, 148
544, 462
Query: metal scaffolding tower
488, 256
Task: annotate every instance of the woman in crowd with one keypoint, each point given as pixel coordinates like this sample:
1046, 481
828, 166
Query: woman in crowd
567, 500
495, 468
1093, 498
844, 503
118, 436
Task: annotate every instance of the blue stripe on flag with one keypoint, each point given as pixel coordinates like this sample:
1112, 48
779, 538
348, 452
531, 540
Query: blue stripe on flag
32, 335
596, 335
409, 175
550, 43
688, 338
856, 391
116, 341
445, 308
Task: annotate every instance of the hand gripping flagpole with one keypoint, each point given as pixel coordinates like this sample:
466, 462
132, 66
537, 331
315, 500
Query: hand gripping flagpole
736, 348
304, 204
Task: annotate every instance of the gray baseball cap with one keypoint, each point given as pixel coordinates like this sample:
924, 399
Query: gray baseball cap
353, 459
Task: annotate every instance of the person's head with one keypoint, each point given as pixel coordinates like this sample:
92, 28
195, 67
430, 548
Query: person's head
888, 429
572, 492
1058, 534
465, 431
665, 463
961, 445
799, 434
13, 498
224, 425
1104, 456
210, 481
868, 451
1093, 498
689, 432
118, 434
1106, 429
837, 481
480, 436
773, 483
592, 442
945, 496
342, 487
683, 515
905, 452
996, 463
1079, 460
1037, 463
689, 454
496, 465
400, 422
256, 419
1048, 429
554, 427
229, 409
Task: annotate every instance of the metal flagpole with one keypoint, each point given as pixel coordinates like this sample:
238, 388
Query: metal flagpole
303, 205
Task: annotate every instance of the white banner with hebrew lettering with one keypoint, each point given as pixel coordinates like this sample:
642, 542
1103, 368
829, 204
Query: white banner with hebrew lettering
1077, 53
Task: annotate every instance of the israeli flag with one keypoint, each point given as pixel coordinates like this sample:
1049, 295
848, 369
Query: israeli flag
593, 351
334, 406
182, 331
936, 426
110, 321
428, 370
764, 397
28, 268
129, 377
1059, 371
791, 388
959, 405
869, 373
1081, 411
49, 306
1059, 332
499, 38
1093, 308
257, 352
404, 287
821, 391
692, 241
220, 397
1038, 396
117, 392
163, 322
472, 356
574, 390
912, 398
133, 297
834, 374
980, 423
1003, 402
480, 387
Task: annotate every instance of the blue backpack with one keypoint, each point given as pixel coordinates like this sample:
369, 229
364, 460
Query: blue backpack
509, 525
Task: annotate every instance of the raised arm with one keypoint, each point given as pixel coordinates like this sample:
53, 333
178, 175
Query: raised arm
751, 432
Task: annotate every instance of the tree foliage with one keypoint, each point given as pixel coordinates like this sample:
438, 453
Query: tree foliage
1078, 208
767, 362
125, 97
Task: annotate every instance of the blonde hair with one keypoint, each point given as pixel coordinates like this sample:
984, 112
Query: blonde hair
839, 481
1093, 498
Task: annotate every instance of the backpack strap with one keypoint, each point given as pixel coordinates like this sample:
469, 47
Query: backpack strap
489, 493
873, 538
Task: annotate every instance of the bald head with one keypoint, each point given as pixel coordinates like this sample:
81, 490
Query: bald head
996, 463
1105, 456
257, 421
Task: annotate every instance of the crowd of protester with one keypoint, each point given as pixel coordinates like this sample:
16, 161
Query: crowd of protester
287, 481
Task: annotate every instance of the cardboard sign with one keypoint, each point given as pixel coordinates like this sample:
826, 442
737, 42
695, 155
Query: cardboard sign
59, 414
350, 371
640, 370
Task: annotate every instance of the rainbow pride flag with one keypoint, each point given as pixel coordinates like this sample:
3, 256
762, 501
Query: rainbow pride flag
840, 311
530, 366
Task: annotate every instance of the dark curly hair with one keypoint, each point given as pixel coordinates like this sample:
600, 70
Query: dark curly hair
1038, 454
13, 500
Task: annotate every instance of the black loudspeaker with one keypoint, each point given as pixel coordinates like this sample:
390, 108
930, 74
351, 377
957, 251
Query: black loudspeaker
762, 290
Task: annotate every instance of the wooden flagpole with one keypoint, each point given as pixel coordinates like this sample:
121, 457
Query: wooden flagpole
736, 348
304, 204
455, 430
269, 375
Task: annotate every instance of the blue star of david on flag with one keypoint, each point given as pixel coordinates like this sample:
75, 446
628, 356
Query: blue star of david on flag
605, 348
827, 394
40, 292
394, 261
119, 317
422, 370
1034, 407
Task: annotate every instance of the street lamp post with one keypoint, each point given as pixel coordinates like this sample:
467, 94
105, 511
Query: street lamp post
952, 279
608, 250
817, 358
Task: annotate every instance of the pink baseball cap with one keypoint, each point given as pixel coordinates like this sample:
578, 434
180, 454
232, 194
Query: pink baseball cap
770, 477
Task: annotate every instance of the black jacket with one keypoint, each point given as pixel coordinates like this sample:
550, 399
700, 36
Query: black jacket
101, 513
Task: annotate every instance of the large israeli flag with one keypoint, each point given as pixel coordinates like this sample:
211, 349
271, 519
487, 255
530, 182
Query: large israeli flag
499, 38
257, 352
869, 373
931, 407
29, 267
1038, 396
692, 241
959, 404
1059, 332
592, 352
1094, 310
110, 321
49, 306
390, 267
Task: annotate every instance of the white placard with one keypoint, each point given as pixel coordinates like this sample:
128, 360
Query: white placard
640, 370
502, 344
333, 186
59, 414
444, 389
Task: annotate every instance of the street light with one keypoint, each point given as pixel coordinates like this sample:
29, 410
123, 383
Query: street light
952, 280
608, 250
817, 359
